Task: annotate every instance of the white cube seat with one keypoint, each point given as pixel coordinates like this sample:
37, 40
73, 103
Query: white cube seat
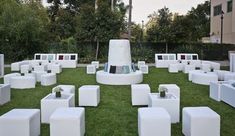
229, 76
16, 65
172, 89
96, 63
68, 122
25, 68
20, 122
144, 69
91, 69
89, 95
170, 103
5, 93
48, 79
190, 73
23, 82
173, 68
140, 63
38, 75
7, 77
139, 94
153, 122
221, 74
215, 89
200, 121
54, 68
67, 89
50, 103
227, 94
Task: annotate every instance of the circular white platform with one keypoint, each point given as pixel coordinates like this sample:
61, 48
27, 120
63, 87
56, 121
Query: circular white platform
119, 79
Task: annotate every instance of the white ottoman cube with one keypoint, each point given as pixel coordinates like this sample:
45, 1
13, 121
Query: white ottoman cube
96, 63
50, 103
230, 76
222, 73
20, 122
68, 122
67, 89
7, 77
153, 122
172, 89
170, 103
140, 63
200, 121
48, 79
144, 69
39, 74
23, 82
173, 68
139, 94
5, 93
25, 68
91, 69
89, 95
55, 68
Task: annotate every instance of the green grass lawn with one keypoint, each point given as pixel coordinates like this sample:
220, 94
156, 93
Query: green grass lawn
115, 115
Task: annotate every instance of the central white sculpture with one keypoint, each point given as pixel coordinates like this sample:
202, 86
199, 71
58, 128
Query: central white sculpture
119, 70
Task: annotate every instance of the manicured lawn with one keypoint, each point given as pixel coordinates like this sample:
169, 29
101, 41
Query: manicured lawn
115, 116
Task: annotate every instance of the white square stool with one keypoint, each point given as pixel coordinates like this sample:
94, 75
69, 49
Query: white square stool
7, 77
55, 68
172, 89
25, 68
5, 93
96, 63
139, 94
48, 79
200, 121
89, 95
144, 69
91, 69
188, 68
20, 122
140, 63
154, 122
39, 74
173, 68
68, 122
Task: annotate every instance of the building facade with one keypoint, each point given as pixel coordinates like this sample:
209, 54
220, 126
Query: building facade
228, 9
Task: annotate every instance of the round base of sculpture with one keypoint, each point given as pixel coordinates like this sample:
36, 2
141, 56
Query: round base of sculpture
119, 79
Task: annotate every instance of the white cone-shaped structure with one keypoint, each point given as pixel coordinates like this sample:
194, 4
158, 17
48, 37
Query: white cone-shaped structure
119, 69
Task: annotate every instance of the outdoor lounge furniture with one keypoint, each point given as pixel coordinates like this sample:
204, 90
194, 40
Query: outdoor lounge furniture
140, 63
44, 57
16, 65
200, 121
214, 65
229, 76
163, 60
23, 82
139, 94
144, 69
227, 94
190, 73
96, 63
7, 77
154, 122
39, 74
25, 68
5, 93
221, 74
54, 68
89, 95
67, 89
190, 58
41, 67
215, 89
173, 68
172, 89
188, 67
67, 60
204, 78
68, 122
91, 69
48, 79
205, 67
50, 103
170, 102
20, 122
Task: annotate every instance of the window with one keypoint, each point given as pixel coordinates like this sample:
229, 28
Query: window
217, 10
229, 6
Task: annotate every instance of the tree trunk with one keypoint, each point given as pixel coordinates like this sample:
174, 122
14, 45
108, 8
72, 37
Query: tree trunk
97, 49
129, 21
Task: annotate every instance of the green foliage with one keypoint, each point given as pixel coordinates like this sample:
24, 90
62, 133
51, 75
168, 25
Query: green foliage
22, 28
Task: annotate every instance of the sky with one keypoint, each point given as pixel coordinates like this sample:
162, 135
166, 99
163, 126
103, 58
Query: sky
143, 8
